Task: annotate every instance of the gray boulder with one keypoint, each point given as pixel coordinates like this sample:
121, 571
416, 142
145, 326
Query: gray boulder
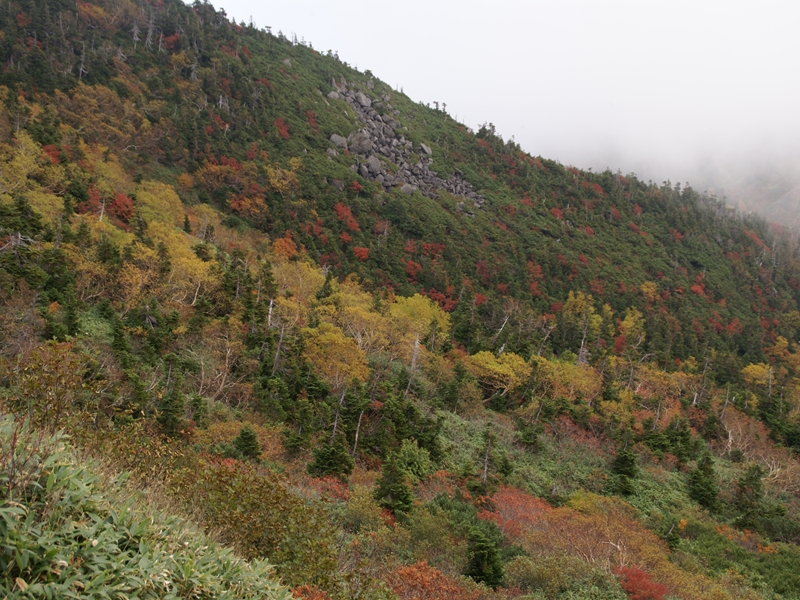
426, 149
332, 152
333, 95
363, 100
363, 171
287, 62
374, 165
407, 188
339, 141
360, 143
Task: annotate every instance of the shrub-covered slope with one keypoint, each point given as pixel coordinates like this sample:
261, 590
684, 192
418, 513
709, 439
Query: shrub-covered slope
67, 533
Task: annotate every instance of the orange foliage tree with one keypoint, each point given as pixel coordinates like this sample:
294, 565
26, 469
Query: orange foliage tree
422, 582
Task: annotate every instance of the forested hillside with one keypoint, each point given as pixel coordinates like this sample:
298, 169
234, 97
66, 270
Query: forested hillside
343, 334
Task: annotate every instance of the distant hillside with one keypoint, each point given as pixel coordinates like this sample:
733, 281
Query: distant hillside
767, 185
413, 202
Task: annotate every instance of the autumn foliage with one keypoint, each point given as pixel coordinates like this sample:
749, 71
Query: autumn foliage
638, 584
422, 582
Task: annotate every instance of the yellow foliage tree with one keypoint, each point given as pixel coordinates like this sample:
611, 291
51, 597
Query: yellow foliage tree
418, 317
189, 275
19, 162
158, 202
569, 380
498, 375
579, 313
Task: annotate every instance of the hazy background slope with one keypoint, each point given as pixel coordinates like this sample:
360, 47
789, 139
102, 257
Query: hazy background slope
681, 92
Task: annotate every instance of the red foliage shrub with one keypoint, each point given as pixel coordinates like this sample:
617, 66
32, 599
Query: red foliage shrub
121, 207
92, 205
444, 300
327, 487
479, 299
432, 249
598, 286
557, 212
312, 120
345, 237
413, 269
752, 235
485, 145
422, 582
484, 272
734, 327
171, 41
282, 127
309, 592
361, 252
638, 584
343, 213
53, 153
593, 188
381, 227
219, 122
230, 162
285, 246
23, 20
516, 512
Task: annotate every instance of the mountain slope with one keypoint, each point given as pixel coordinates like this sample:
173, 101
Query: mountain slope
208, 98
361, 341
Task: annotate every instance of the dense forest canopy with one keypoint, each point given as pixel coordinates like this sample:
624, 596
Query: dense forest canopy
341, 332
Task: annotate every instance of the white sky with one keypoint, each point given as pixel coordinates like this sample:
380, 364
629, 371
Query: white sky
655, 87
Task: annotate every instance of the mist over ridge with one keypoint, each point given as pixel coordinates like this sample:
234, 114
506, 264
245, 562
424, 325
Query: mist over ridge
689, 92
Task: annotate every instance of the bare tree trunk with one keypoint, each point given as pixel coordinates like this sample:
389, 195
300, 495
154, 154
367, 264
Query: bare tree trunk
414, 355
358, 429
338, 410
485, 474
278, 351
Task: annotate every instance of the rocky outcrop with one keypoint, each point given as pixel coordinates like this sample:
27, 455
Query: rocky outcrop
384, 154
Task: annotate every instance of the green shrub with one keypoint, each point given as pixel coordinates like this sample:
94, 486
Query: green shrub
703, 487
246, 443
331, 459
63, 534
256, 514
561, 577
